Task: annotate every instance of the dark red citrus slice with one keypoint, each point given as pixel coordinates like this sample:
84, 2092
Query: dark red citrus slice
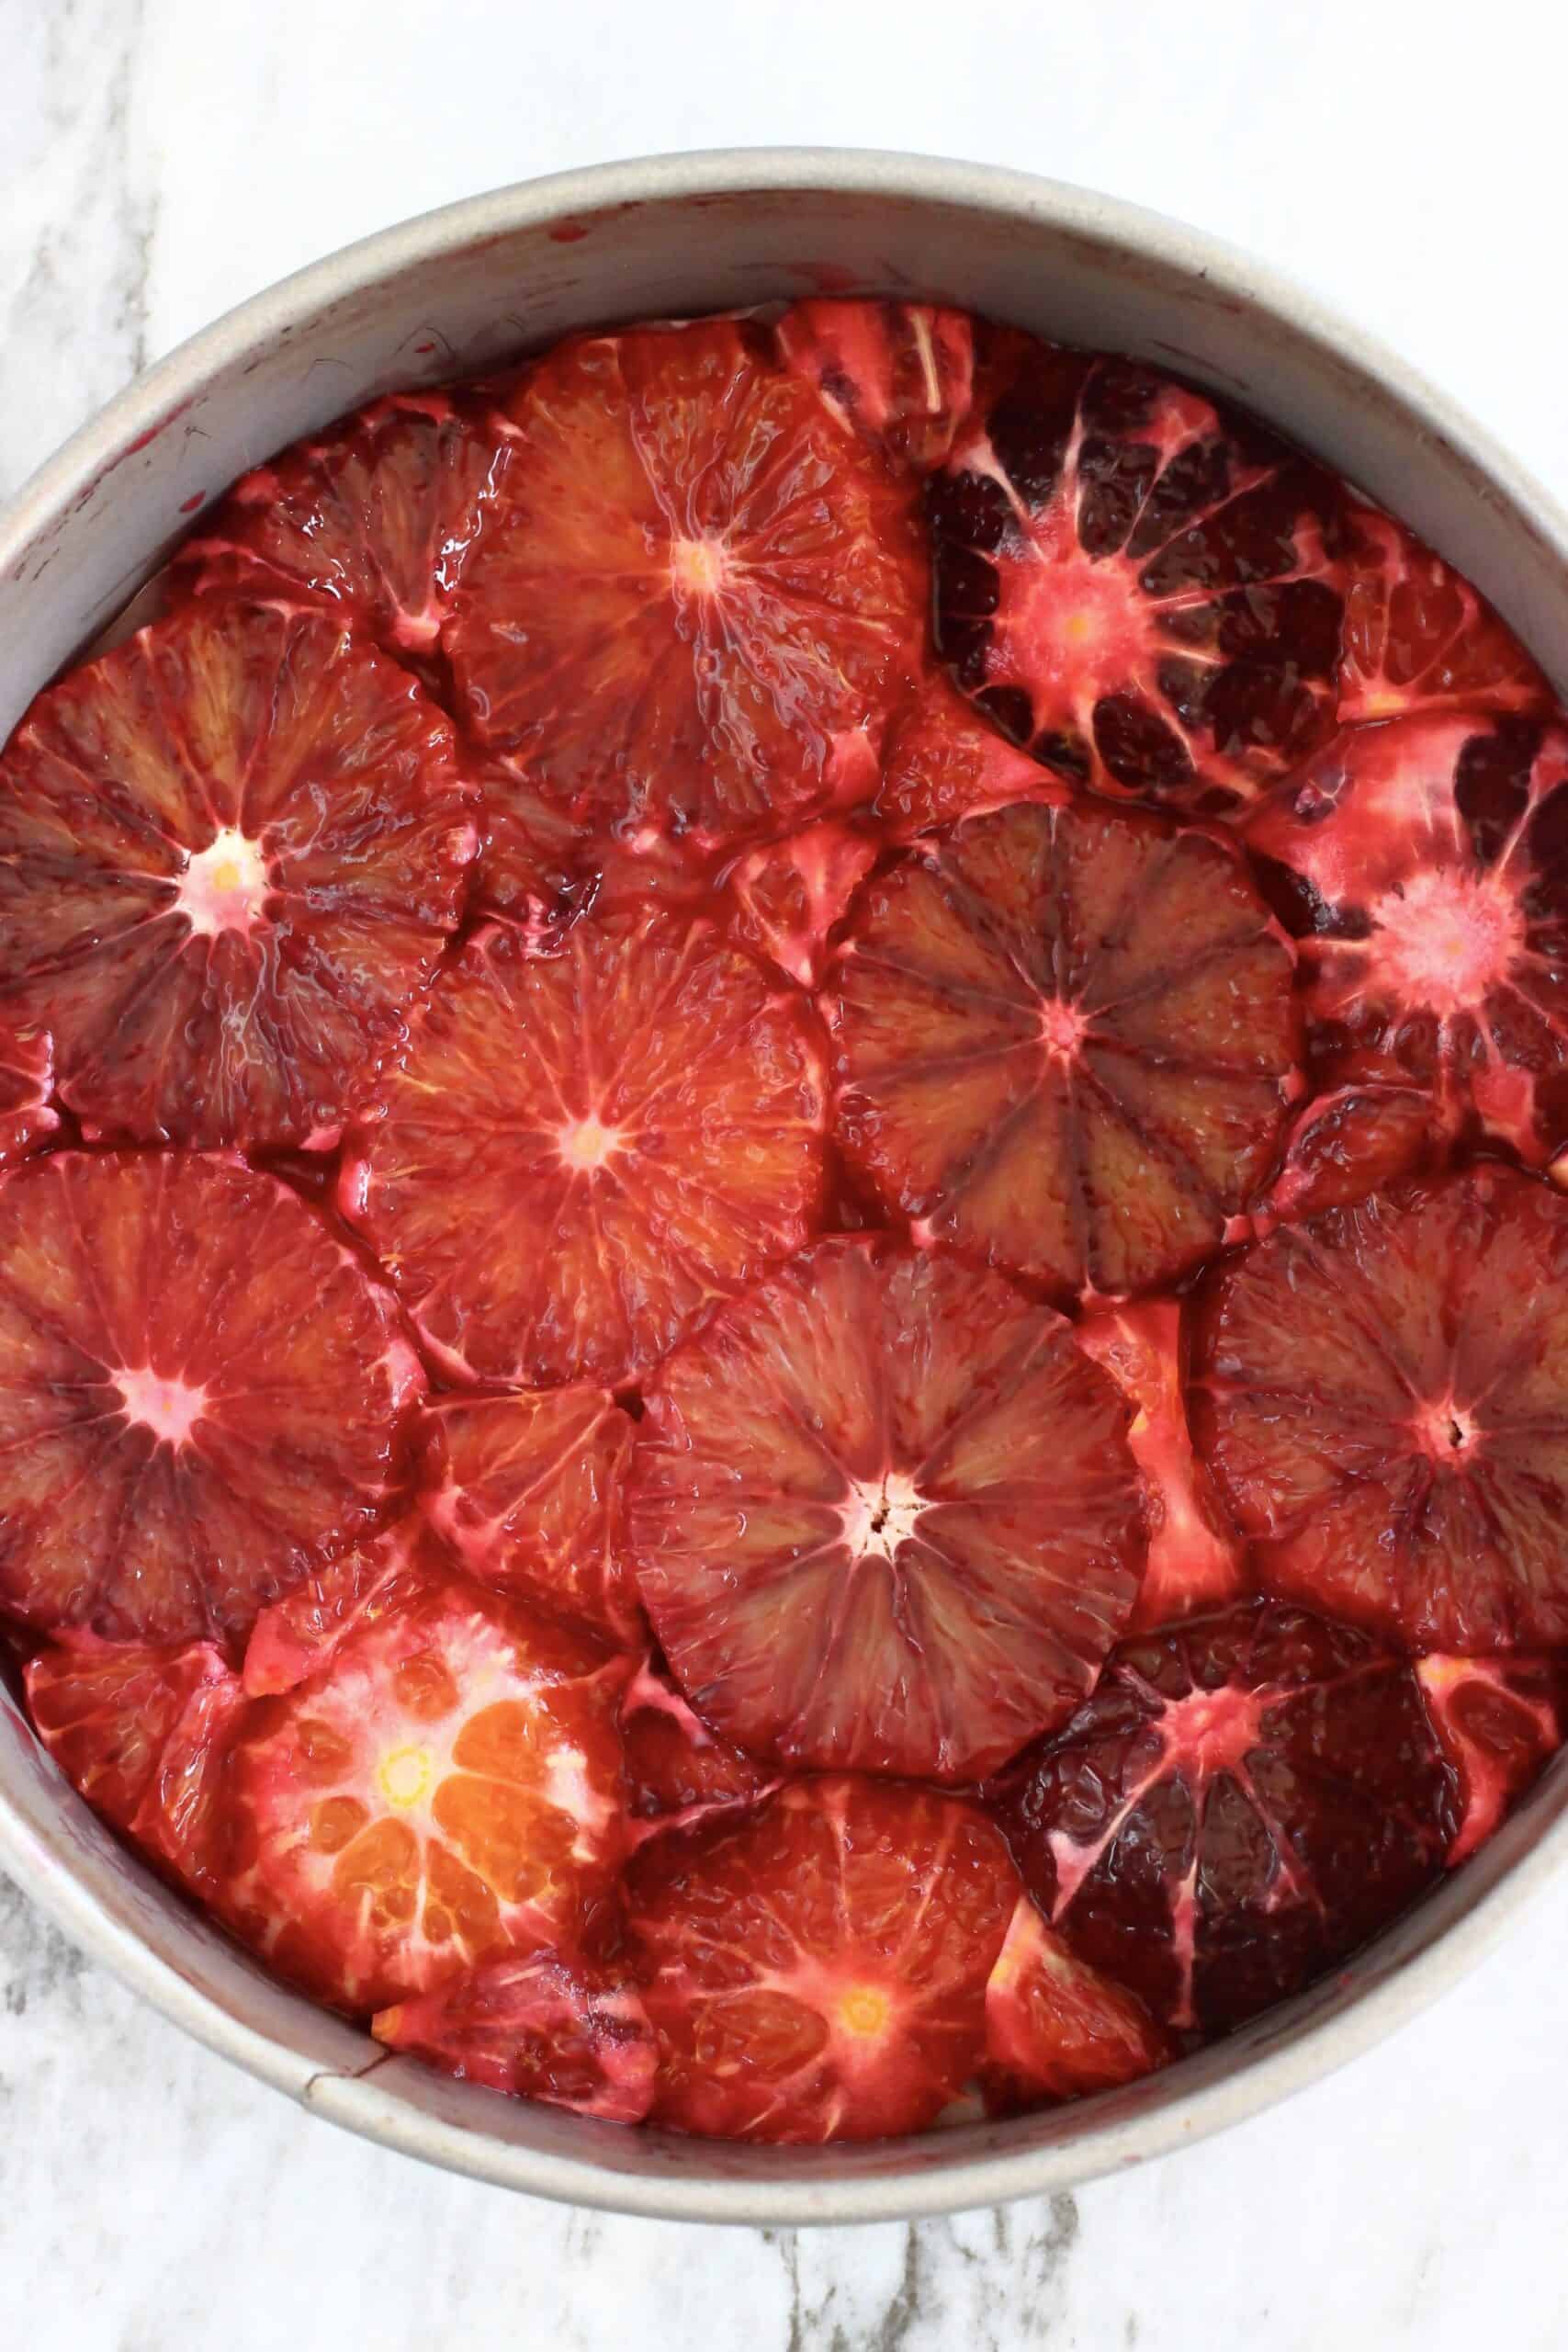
374, 519
27, 1083
539, 2024
1144, 591
145, 1736
1064, 1042
448, 1784
944, 762
1055, 2028
1195, 1555
677, 1769
791, 895
1418, 639
884, 1515
1382, 1394
1246, 1799
1359, 1139
1500, 1721
201, 1395
587, 1142
900, 374
1423, 870
535, 862
231, 854
527, 1490
698, 596
816, 1969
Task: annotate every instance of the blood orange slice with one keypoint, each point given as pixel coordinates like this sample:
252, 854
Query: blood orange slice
374, 519
1143, 589
1382, 1394
1500, 1721
1424, 868
1418, 639
1195, 1555
27, 1082
448, 1783
696, 596
791, 895
944, 762
145, 1736
883, 1514
201, 1395
1246, 1799
297, 1637
677, 1769
1064, 1042
1342, 1145
901, 374
1055, 2028
527, 1490
540, 2024
817, 1969
231, 854
584, 1146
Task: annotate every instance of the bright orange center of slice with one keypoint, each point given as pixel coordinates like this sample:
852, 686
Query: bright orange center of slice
864, 2010
403, 1774
587, 1144
699, 565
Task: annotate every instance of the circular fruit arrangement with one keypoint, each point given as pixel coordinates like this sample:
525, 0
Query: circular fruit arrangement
782, 1344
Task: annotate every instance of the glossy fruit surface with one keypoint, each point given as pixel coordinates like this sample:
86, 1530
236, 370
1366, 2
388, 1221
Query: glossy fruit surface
1063, 1043
1246, 1799
231, 852
1382, 1394
541, 2023
203, 1395
586, 1145
883, 1514
817, 1969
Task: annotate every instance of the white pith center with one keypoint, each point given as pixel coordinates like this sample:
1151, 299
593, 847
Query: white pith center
1062, 1027
587, 1144
403, 1774
224, 887
880, 1514
1446, 939
699, 566
1441, 1430
167, 1405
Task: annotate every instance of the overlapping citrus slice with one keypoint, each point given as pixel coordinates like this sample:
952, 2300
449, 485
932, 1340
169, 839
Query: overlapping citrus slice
1055, 2028
445, 1785
1500, 1721
1064, 1042
527, 1490
1343, 1145
1246, 1799
541, 2023
1418, 637
791, 895
883, 1514
697, 595
817, 1969
232, 851
1382, 1394
586, 1143
201, 1395
1195, 1555
943, 760
27, 1082
374, 519
900, 374
1423, 867
145, 1735
1144, 590
678, 1769
297, 1637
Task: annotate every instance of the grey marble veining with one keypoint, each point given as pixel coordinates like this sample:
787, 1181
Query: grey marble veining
162, 158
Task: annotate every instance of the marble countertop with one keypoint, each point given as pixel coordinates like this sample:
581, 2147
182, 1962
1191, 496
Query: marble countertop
159, 159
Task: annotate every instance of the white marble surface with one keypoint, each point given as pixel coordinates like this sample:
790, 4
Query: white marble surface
159, 159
